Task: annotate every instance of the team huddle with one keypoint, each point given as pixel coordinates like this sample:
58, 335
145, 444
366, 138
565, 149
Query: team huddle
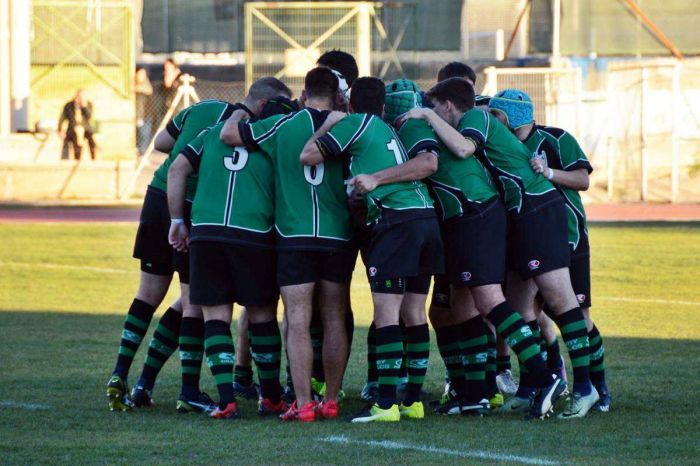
275, 197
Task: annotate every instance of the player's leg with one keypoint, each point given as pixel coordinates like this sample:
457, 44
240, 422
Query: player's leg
266, 345
318, 377
191, 398
220, 354
417, 335
243, 384
504, 375
370, 390
555, 360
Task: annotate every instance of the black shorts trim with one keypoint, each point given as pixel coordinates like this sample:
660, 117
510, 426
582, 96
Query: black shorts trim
580, 273
225, 273
299, 267
310, 243
151, 245
405, 248
232, 235
441, 292
475, 247
537, 238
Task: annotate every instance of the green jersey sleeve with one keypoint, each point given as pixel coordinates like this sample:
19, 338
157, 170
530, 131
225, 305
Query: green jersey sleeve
194, 149
572, 156
338, 140
174, 126
474, 126
260, 134
417, 136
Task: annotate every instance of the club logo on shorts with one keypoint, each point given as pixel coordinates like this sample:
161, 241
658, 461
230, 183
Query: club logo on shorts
534, 264
466, 276
581, 298
372, 271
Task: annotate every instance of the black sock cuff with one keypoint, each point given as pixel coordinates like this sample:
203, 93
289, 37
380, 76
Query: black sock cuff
171, 319
593, 332
472, 328
264, 329
141, 308
217, 327
389, 333
192, 327
572, 315
418, 332
499, 313
445, 335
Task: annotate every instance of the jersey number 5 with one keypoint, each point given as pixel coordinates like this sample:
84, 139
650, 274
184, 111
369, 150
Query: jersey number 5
314, 175
394, 147
237, 160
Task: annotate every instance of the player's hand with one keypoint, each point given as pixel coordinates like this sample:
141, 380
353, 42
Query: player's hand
418, 113
179, 236
538, 165
364, 183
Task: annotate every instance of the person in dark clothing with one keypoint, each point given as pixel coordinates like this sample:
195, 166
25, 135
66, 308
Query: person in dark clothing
77, 113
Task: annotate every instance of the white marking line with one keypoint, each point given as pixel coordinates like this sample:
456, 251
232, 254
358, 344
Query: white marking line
66, 267
390, 445
20, 405
646, 300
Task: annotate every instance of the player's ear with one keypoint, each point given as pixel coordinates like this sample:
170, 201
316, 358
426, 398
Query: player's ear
383, 110
303, 98
350, 110
259, 105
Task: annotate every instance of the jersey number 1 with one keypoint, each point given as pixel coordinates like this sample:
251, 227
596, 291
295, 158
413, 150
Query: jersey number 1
394, 147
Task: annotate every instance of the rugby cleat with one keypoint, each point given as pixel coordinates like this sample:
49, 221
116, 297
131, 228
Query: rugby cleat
376, 414
201, 404
542, 401
307, 413
506, 383
289, 395
327, 410
318, 389
141, 397
578, 405
370, 392
249, 392
515, 405
118, 394
268, 408
603, 404
496, 401
480, 408
413, 411
230, 412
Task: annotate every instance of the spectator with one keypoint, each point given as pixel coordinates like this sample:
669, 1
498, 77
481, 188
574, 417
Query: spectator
171, 81
77, 113
144, 93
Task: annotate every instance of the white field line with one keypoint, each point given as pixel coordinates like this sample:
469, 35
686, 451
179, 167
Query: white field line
481, 454
20, 405
646, 300
67, 267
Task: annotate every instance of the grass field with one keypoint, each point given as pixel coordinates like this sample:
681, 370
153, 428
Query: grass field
64, 289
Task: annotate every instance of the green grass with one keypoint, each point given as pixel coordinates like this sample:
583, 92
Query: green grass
64, 289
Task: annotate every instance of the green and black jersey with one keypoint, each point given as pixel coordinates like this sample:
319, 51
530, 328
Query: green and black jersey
235, 192
311, 210
506, 158
371, 145
459, 184
560, 150
184, 127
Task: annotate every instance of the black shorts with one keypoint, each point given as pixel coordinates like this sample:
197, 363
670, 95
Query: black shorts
580, 272
419, 284
151, 246
441, 292
224, 273
475, 246
405, 243
298, 267
537, 236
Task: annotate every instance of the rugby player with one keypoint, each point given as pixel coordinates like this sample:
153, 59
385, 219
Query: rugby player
232, 254
538, 250
313, 237
405, 247
556, 154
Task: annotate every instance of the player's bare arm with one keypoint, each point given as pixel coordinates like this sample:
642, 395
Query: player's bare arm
311, 155
458, 144
164, 142
177, 185
575, 179
421, 166
229, 133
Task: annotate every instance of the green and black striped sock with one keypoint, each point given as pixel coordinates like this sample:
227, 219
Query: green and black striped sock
417, 354
518, 336
372, 375
135, 327
575, 335
191, 355
243, 375
389, 356
474, 354
316, 332
503, 363
491, 387
553, 355
266, 347
448, 341
221, 356
597, 355
162, 345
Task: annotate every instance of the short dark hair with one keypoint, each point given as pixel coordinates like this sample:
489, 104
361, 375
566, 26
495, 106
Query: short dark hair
267, 88
459, 91
342, 62
457, 69
321, 82
367, 96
